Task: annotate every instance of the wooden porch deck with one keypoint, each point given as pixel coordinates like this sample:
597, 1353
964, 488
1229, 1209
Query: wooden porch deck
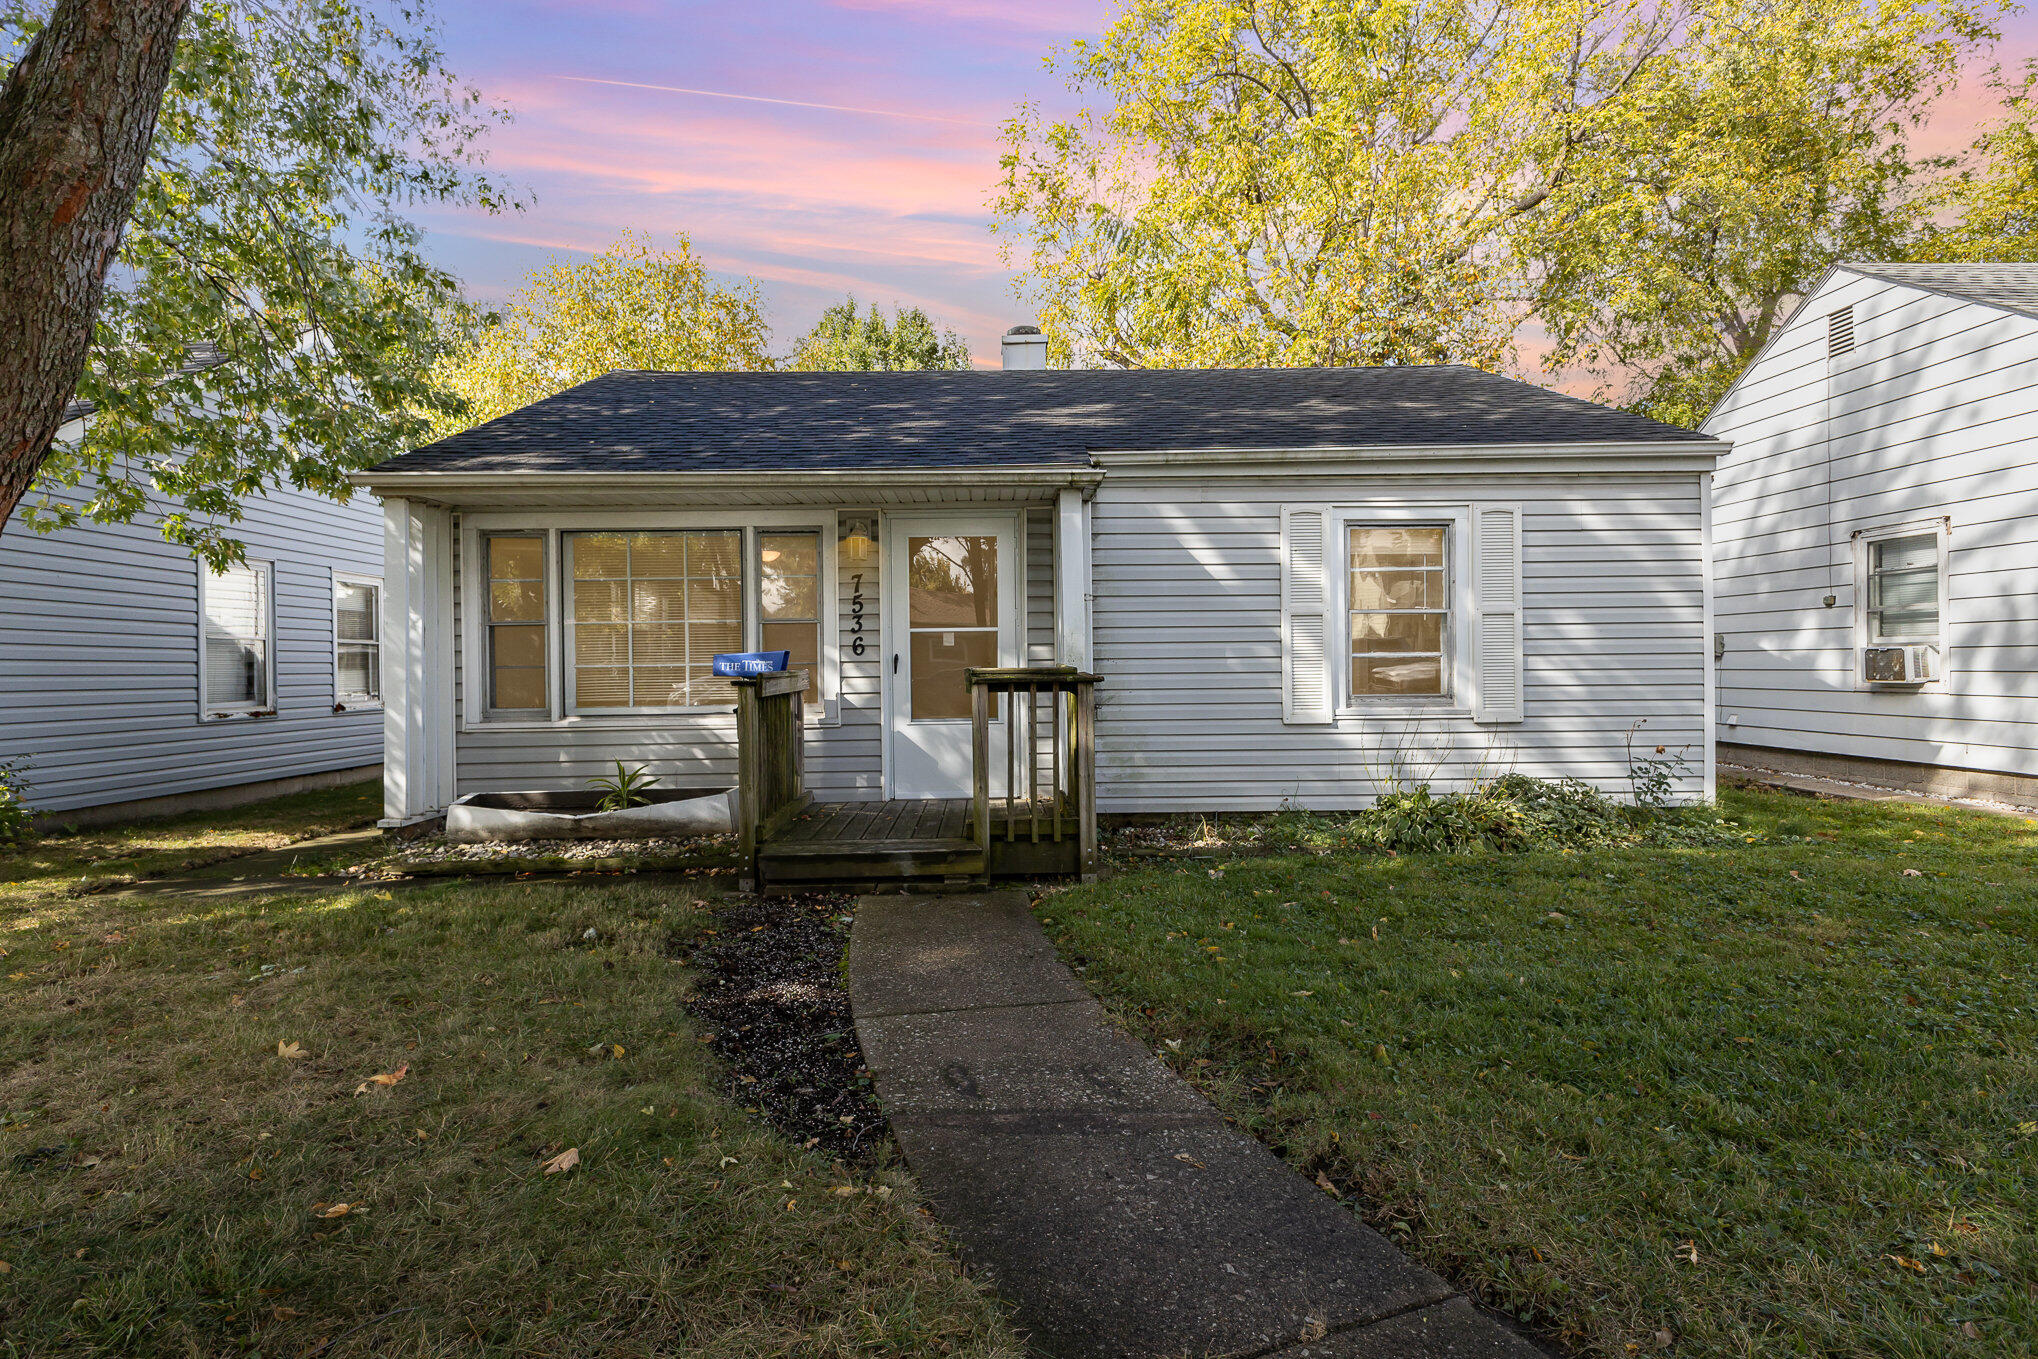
914, 838
787, 838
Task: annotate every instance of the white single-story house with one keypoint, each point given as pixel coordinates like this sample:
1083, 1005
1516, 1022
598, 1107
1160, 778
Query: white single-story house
137, 682
1293, 586
1876, 534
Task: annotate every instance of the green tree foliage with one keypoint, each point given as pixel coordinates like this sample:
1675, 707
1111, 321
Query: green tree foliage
1317, 182
1987, 209
633, 306
845, 340
270, 230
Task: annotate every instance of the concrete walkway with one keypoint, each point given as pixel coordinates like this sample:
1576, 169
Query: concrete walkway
1104, 1198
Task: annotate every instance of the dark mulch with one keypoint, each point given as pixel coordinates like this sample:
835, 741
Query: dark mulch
771, 994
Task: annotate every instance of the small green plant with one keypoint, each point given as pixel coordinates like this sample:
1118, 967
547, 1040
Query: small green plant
1653, 779
14, 813
625, 790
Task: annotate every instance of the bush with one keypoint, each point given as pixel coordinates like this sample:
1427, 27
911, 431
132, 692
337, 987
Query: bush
14, 813
1517, 813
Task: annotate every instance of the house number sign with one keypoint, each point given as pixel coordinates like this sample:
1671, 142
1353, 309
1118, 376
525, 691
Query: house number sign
857, 646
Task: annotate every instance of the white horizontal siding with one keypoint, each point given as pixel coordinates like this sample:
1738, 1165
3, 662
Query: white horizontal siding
99, 657
1187, 583
1934, 414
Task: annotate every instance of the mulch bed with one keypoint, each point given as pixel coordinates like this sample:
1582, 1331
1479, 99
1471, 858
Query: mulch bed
771, 996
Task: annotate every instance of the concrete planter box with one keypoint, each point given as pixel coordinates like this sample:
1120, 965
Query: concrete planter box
483, 817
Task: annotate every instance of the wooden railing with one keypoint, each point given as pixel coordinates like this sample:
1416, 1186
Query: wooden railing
771, 758
1050, 758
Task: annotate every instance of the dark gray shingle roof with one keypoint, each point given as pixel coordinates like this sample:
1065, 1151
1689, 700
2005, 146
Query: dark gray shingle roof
2011, 286
745, 422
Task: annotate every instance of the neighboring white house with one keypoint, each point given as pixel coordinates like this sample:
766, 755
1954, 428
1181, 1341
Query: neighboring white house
1294, 583
1876, 533
135, 681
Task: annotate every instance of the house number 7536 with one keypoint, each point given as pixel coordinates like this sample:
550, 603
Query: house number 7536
857, 646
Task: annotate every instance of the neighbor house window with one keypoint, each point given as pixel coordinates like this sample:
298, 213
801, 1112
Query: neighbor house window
647, 614
1903, 589
516, 623
1399, 610
357, 641
789, 597
237, 663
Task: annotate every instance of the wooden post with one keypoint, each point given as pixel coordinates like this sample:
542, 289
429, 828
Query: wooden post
749, 778
980, 761
1084, 771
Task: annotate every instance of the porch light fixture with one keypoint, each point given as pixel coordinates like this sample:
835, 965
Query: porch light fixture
859, 535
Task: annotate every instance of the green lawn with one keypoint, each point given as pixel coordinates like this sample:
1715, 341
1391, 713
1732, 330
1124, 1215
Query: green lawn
1775, 1098
171, 1182
113, 855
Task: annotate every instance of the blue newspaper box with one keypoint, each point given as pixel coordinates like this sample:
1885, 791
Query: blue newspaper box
737, 664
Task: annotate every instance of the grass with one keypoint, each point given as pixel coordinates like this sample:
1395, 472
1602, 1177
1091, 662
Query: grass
170, 1182
88, 859
1773, 1098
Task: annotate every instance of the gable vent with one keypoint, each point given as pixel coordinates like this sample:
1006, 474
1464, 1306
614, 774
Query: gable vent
1840, 333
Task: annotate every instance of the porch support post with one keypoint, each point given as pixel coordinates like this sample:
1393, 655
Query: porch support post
417, 661
1072, 579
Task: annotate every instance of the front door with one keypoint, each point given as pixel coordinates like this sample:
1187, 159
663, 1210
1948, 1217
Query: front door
951, 601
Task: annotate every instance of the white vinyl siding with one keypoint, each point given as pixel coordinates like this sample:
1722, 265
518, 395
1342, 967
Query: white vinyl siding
101, 645
1929, 423
1195, 712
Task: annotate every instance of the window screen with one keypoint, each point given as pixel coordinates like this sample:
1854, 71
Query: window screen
789, 596
1903, 589
357, 630
1400, 609
236, 664
649, 612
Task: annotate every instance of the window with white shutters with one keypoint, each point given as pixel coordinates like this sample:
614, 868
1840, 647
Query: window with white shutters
236, 665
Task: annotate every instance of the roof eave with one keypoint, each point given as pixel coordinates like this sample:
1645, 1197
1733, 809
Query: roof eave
394, 481
1670, 450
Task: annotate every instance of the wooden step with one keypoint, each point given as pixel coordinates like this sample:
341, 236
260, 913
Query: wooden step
850, 861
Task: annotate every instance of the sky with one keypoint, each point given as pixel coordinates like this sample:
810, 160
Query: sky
822, 147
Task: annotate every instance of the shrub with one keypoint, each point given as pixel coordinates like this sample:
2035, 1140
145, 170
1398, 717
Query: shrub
1518, 813
14, 813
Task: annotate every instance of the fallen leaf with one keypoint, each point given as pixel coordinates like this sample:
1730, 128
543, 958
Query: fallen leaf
290, 1052
1970, 1330
1663, 1338
1688, 1252
386, 1078
844, 1189
563, 1162
1323, 1183
1912, 873
285, 1313
6, 1268
1905, 1262
1793, 874
1185, 1156
334, 1210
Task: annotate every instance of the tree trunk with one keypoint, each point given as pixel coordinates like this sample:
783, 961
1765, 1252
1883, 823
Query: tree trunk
76, 118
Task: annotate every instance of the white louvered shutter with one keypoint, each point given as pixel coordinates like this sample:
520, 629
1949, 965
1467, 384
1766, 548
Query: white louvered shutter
1496, 625
1305, 626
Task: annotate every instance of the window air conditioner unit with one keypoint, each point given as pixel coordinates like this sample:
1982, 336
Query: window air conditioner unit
1899, 664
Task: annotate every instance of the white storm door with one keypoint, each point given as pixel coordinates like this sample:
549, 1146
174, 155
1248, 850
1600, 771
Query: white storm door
951, 605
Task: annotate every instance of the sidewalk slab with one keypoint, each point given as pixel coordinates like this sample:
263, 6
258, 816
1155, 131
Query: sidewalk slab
1060, 1057
1131, 1237
923, 955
